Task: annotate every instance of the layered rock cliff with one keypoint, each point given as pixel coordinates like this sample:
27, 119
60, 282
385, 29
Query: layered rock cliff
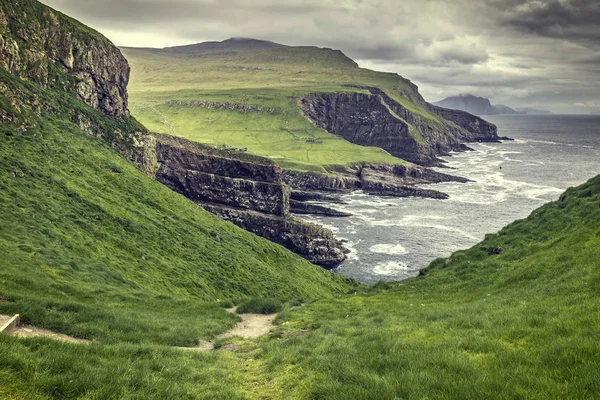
375, 119
382, 180
246, 190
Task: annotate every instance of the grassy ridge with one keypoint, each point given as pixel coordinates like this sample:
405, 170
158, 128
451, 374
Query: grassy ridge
272, 79
92, 247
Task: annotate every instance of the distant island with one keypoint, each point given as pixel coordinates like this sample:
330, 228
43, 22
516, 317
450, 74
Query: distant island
482, 106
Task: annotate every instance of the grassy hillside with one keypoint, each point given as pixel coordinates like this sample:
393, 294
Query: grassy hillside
516, 316
92, 247
166, 86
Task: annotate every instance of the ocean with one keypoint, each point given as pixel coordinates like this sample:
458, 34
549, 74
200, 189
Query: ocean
392, 238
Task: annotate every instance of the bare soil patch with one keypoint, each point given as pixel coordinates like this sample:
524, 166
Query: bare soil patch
27, 331
251, 327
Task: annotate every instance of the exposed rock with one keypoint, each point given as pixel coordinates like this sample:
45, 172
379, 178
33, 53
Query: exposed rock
311, 241
376, 119
301, 207
386, 180
55, 51
243, 108
203, 174
340, 182
300, 195
363, 119
246, 190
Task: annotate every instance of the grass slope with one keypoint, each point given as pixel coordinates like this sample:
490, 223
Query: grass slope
92, 247
524, 323
272, 79
520, 324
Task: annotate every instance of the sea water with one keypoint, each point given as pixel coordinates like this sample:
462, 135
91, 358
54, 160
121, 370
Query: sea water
392, 238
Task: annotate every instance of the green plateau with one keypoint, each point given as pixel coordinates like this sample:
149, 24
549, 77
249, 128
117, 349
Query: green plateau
167, 87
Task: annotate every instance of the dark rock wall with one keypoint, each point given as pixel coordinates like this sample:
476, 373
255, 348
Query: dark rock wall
53, 50
311, 241
201, 176
363, 119
390, 180
376, 119
246, 190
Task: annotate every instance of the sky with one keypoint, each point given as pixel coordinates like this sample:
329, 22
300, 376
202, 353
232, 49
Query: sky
538, 53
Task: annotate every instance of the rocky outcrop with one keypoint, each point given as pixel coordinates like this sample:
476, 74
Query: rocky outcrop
311, 241
55, 51
375, 119
246, 190
211, 105
388, 180
365, 120
301, 195
232, 178
303, 207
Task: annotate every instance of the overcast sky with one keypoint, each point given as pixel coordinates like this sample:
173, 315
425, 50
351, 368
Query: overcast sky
540, 53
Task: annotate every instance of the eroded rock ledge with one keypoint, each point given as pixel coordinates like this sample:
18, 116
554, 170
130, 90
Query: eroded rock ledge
382, 180
246, 190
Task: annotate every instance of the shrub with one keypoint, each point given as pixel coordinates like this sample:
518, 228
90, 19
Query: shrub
260, 306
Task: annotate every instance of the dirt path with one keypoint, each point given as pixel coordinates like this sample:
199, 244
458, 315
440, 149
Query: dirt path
251, 327
26, 331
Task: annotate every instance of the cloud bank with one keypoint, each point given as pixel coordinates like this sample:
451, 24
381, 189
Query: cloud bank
541, 53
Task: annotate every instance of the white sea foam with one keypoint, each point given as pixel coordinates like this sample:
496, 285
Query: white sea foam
391, 249
351, 245
390, 268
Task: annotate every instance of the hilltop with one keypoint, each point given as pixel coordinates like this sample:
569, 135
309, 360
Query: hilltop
263, 96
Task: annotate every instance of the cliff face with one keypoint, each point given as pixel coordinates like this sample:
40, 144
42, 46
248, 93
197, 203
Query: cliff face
53, 50
246, 190
376, 119
364, 119
205, 175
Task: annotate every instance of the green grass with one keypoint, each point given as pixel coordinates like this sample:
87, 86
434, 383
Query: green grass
92, 247
260, 306
520, 324
274, 80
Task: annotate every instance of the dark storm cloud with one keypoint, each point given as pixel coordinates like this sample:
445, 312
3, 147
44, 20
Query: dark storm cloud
520, 52
574, 20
